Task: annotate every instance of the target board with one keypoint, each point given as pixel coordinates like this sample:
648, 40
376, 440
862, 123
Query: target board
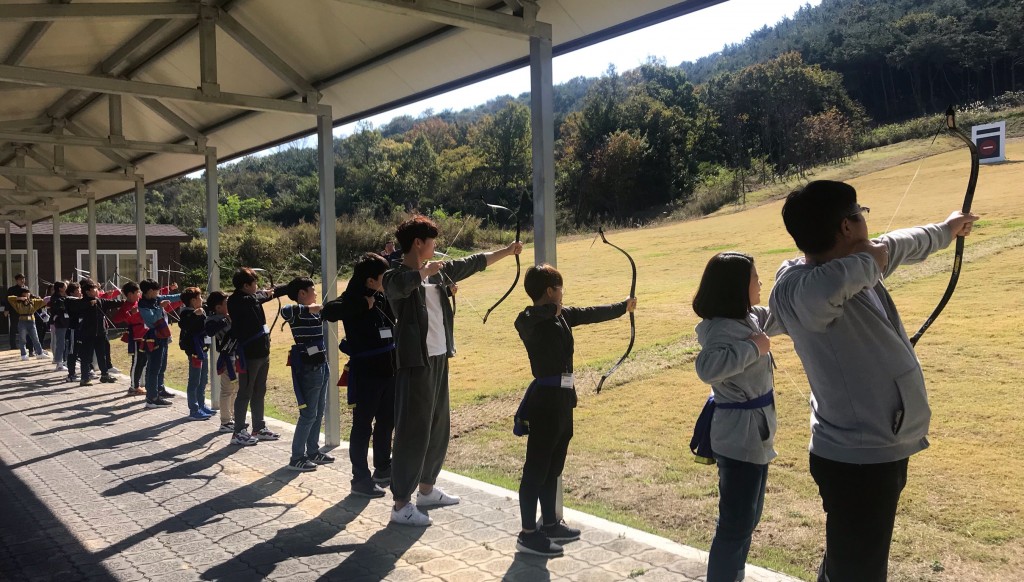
991, 141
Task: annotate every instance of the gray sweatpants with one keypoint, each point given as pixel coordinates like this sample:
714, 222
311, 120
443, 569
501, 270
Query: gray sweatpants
422, 426
252, 391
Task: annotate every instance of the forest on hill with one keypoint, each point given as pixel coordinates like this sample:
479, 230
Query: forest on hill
655, 139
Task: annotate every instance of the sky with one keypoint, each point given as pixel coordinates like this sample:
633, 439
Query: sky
686, 38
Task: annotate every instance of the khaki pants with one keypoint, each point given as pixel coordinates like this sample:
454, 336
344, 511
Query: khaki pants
228, 390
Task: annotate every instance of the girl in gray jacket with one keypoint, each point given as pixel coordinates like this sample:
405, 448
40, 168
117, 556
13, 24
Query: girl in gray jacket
736, 362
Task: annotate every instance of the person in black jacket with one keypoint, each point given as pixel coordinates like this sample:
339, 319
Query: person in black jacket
546, 331
92, 332
370, 345
59, 319
74, 293
249, 326
12, 315
195, 343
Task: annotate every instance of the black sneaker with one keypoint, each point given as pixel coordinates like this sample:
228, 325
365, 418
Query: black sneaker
538, 544
158, 403
85, 382
302, 464
560, 532
367, 488
72, 378
107, 379
382, 476
165, 394
321, 459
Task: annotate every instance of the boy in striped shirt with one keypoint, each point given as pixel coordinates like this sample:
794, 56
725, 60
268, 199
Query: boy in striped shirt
308, 361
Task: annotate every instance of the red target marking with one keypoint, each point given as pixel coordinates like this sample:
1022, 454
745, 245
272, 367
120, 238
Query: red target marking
988, 147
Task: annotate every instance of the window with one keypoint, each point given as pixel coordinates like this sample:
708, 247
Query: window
17, 266
123, 263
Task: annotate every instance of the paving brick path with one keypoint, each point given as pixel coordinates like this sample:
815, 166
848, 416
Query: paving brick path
94, 487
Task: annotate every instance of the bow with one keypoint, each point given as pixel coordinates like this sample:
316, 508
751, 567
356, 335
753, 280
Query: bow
959, 254
522, 197
632, 318
271, 277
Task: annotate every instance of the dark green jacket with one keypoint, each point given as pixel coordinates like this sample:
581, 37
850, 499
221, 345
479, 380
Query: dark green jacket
407, 296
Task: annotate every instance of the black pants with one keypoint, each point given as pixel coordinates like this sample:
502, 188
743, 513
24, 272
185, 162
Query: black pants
373, 416
139, 359
550, 414
71, 350
12, 326
98, 345
860, 506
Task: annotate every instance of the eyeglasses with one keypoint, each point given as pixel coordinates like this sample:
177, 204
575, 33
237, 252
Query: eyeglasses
860, 210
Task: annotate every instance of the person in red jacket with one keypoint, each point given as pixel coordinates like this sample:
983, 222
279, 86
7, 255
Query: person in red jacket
135, 336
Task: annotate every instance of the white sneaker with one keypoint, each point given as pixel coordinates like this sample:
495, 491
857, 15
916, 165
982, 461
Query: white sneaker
409, 515
61, 368
243, 438
435, 498
24, 358
113, 370
44, 356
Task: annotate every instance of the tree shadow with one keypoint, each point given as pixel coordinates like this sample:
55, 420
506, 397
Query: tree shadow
106, 420
69, 407
129, 439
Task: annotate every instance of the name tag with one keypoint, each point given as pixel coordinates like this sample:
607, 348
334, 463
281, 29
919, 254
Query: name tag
385, 333
206, 340
266, 329
313, 350
568, 381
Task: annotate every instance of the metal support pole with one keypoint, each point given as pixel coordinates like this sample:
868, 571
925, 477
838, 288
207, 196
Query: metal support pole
212, 258
329, 267
542, 126
543, 129
30, 269
93, 259
140, 230
56, 247
8, 251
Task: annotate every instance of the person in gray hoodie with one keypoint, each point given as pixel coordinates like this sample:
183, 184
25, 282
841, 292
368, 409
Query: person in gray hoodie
869, 407
735, 360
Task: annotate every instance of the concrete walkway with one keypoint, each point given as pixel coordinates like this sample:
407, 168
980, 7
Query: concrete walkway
94, 487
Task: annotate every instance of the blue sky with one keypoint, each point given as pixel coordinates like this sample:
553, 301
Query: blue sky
686, 38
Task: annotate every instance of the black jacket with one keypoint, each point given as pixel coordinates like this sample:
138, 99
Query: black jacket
363, 327
193, 330
247, 320
92, 318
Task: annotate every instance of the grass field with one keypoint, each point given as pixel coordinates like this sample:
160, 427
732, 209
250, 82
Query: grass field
962, 514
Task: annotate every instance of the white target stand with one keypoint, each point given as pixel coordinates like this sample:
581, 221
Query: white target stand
991, 141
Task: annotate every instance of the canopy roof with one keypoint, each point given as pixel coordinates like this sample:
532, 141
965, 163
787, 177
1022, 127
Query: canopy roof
190, 75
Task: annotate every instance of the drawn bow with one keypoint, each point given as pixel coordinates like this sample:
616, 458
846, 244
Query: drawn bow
632, 318
519, 224
968, 199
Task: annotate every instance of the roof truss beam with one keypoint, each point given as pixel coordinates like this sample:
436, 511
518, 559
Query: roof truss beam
51, 12
49, 78
99, 142
68, 175
15, 193
467, 16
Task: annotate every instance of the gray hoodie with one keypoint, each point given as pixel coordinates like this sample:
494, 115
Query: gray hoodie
730, 362
868, 399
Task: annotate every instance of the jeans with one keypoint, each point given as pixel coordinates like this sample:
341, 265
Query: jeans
58, 344
741, 487
196, 390
860, 512
373, 416
154, 370
311, 381
163, 368
27, 333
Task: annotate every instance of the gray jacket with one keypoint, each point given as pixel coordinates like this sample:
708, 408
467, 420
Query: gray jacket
407, 296
729, 361
868, 398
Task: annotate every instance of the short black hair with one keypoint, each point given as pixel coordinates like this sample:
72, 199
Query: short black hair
724, 289
190, 294
369, 266
814, 214
147, 285
216, 298
58, 285
130, 287
19, 276
23, 291
72, 287
298, 284
418, 226
539, 278
243, 276
87, 284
